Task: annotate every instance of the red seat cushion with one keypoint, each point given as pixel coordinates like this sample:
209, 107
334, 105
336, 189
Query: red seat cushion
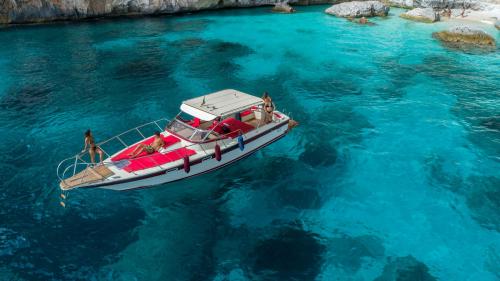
234, 127
157, 158
169, 140
195, 122
248, 111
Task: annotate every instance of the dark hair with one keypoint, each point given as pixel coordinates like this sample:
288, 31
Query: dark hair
265, 95
157, 133
87, 133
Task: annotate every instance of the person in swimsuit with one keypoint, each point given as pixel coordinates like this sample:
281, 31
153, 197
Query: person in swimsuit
89, 142
268, 108
151, 148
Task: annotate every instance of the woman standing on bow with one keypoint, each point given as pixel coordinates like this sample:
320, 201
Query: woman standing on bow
93, 148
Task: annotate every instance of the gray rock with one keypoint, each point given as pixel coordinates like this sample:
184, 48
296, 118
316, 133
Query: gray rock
497, 24
283, 8
445, 4
477, 5
421, 14
407, 4
356, 9
466, 30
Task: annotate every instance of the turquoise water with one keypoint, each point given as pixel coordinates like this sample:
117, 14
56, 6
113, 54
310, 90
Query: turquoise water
393, 173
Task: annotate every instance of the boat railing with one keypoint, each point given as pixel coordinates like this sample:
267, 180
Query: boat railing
76, 164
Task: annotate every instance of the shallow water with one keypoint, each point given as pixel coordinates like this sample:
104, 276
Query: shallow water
393, 173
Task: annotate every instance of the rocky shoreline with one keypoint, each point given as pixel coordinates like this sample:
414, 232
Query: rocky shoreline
462, 37
38, 11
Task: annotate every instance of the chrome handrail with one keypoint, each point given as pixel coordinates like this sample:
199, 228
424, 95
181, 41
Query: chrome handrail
117, 137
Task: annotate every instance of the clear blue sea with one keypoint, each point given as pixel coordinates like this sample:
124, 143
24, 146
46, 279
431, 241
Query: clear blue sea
393, 173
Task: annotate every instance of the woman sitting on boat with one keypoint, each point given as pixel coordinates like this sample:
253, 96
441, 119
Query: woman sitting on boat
268, 108
149, 148
89, 141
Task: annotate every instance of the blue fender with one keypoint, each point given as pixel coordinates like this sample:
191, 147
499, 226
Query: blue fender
241, 142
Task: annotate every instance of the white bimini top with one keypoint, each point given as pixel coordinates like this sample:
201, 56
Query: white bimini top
219, 104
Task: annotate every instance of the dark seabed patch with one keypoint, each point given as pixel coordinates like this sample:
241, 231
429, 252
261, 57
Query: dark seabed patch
349, 253
438, 176
398, 76
148, 61
303, 195
292, 254
483, 198
59, 249
215, 61
188, 44
405, 269
491, 123
481, 194
142, 68
341, 124
319, 154
26, 99
274, 179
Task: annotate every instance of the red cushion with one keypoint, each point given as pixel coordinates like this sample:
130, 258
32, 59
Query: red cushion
195, 122
157, 158
234, 127
248, 111
245, 113
169, 140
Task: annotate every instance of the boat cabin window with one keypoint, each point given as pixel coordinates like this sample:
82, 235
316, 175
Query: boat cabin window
190, 128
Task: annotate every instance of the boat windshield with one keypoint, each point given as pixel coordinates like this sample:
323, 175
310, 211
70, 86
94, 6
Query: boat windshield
186, 131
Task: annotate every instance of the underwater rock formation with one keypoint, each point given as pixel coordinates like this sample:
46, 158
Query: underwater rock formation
293, 254
427, 15
405, 268
356, 9
464, 35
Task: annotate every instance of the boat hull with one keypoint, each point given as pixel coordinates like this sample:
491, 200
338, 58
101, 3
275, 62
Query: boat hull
207, 164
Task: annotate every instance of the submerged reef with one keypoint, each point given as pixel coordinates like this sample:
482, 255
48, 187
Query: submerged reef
405, 269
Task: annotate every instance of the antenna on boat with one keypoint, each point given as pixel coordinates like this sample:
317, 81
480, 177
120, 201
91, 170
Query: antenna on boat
203, 101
